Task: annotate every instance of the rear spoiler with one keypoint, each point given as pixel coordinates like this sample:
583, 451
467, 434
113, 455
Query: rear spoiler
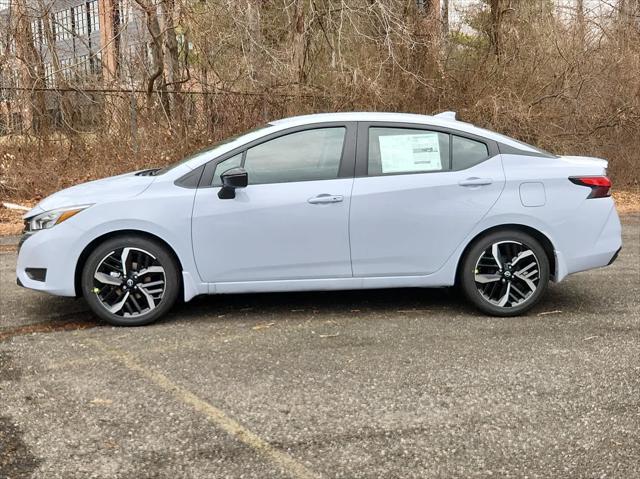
446, 115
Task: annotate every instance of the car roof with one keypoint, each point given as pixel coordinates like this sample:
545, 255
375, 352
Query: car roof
370, 116
445, 120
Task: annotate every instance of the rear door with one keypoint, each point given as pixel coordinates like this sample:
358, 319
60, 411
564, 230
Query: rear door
292, 221
418, 192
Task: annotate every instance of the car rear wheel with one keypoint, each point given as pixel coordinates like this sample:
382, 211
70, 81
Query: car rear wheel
130, 281
505, 273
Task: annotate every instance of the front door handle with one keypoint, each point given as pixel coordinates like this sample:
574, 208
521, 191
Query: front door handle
476, 182
325, 198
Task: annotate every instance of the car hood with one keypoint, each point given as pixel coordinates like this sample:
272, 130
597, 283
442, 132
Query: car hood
98, 191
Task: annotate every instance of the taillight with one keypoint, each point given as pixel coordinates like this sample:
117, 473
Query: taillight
600, 185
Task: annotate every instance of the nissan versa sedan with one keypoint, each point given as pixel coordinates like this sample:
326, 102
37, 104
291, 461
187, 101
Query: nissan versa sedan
328, 202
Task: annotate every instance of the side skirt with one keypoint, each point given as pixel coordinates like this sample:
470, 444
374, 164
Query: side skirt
331, 284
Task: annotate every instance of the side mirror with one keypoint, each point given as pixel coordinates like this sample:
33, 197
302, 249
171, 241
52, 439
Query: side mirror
232, 179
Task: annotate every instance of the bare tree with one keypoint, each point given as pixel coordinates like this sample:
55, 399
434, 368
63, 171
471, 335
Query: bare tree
580, 21
298, 42
155, 46
445, 18
172, 63
515, 65
32, 68
252, 44
58, 74
496, 13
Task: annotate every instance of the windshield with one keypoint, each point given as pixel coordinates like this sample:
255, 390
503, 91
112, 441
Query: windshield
206, 150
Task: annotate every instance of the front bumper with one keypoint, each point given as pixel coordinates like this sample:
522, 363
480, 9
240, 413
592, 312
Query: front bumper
25, 236
55, 250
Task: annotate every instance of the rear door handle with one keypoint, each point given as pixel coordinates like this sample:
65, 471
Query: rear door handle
325, 198
476, 182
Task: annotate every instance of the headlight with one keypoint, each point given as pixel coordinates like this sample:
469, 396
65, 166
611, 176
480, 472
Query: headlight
51, 218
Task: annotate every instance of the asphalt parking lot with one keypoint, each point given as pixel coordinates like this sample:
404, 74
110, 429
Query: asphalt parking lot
394, 384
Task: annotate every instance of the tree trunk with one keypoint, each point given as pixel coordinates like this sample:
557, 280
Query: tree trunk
61, 83
298, 43
445, 18
253, 41
495, 28
32, 75
172, 65
580, 22
157, 57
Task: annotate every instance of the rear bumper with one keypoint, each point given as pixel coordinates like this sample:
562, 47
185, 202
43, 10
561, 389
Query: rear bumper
592, 251
614, 257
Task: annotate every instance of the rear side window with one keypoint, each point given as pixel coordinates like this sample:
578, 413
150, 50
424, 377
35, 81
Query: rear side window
302, 156
404, 150
467, 153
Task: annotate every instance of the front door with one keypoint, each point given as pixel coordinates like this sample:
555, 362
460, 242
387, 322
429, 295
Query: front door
292, 220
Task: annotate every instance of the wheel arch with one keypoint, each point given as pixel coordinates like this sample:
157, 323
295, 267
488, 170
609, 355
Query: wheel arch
82, 259
542, 238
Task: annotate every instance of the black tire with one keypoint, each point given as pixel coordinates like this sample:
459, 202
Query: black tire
477, 261
146, 305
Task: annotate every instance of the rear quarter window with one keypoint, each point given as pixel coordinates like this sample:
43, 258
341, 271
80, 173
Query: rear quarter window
467, 153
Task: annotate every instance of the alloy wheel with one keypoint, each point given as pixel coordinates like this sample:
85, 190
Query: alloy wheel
129, 282
507, 274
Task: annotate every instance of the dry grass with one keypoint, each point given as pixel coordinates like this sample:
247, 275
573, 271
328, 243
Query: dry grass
627, 202
10, 221
573, 91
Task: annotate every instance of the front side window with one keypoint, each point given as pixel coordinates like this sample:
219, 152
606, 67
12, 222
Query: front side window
404, 150
225, 165
467, 153
302, 156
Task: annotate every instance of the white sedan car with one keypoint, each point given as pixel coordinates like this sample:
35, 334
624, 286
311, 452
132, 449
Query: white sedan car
328, 202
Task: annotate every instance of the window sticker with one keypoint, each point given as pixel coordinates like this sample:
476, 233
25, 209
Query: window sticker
405, 153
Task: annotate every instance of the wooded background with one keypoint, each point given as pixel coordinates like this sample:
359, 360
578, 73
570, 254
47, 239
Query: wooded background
563, 75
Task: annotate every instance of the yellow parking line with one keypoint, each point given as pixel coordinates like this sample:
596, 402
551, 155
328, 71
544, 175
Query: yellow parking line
215, 415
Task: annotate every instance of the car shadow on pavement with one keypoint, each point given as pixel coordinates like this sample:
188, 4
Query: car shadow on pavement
325, 302
444, 301
49, 314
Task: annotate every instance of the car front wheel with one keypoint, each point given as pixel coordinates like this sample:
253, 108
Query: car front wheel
505, 273
130, 281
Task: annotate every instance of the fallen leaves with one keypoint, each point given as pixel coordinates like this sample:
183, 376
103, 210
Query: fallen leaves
10, 221
627, 201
